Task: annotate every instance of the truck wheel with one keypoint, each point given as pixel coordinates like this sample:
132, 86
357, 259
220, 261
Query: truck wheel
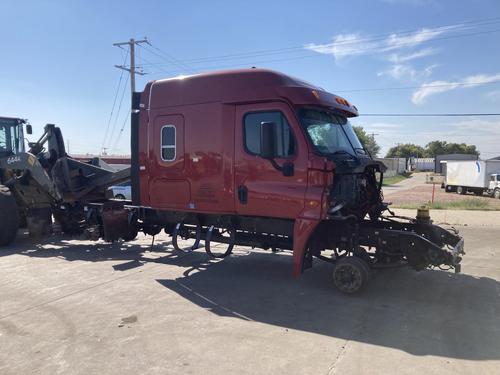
230, 236
496, 194
461, 190
350, 274
448, 188
39, 222
131, 234
186, 232
9, 216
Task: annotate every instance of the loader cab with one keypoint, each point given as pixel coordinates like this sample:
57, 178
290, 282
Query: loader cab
11, 136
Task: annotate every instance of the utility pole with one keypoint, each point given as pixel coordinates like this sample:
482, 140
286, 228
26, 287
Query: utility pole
131, 45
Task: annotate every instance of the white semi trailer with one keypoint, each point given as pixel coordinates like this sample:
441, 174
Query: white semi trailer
473, 176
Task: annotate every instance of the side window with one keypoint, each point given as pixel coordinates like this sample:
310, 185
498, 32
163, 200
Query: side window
168, 143
285, 140
3, 138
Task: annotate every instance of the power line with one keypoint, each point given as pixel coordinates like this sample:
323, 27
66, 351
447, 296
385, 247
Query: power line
428, 114
121, 131
169, 59
118, 112
114, 104
246, 55
418, 87
153, 64
177, 61
311, 54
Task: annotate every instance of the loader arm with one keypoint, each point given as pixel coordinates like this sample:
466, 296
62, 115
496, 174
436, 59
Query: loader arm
29, 181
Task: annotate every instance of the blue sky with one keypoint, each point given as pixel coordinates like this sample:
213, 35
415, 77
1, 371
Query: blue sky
57, 61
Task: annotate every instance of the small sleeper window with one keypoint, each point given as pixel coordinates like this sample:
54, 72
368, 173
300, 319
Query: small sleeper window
168, 143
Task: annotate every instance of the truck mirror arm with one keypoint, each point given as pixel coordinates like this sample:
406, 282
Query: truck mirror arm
287, 169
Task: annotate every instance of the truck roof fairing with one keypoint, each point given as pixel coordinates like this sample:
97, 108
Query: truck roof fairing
226, 86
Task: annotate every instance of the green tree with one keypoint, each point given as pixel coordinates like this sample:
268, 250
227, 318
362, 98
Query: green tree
406, 150
443, 148
435, 148
368, 141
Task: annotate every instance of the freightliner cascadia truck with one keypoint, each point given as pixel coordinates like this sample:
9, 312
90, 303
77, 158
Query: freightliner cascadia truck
260, 159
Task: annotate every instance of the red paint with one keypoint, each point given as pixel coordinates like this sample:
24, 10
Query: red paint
302, 231
207, 111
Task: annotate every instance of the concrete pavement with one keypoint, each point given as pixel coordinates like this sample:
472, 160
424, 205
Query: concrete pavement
415, 179
77, 307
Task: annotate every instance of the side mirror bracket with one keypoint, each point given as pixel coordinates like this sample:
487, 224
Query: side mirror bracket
268, 149
268, 140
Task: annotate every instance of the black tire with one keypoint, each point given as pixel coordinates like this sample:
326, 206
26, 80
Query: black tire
448, 188
131, 235
39, 222
350, 274
178, 230
22, 220
461, 190
9, 216
496, 194
365, 257
229, 249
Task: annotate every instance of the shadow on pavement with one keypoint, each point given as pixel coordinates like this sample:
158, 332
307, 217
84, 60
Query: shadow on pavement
428, 313
132, 253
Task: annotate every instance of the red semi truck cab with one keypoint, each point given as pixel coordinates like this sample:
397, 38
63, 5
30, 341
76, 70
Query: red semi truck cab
270, 161
200, 146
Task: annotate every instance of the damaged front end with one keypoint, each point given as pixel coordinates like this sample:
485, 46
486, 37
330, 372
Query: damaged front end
360, 224
416, 242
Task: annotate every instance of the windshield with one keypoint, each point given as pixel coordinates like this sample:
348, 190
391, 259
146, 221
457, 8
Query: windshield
9, 136
330, 133
3, 138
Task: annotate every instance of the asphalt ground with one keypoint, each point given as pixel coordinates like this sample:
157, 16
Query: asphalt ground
78, 307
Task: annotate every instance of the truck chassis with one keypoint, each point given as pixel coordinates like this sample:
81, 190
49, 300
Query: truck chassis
354, 247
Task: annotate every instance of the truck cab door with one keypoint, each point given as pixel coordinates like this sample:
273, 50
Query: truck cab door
262, 189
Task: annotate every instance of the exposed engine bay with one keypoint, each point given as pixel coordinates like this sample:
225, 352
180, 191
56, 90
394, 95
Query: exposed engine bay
358, 194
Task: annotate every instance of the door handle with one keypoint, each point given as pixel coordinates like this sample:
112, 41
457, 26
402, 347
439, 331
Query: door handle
243, 194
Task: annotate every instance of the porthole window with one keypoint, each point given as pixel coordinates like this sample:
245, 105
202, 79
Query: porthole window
168, 143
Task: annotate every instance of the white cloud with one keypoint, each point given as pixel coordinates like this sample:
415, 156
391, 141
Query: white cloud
407, 72
493, 96
436, 87
344, 45
481, 78
355, 44
395, 41
397, 59
484, 133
